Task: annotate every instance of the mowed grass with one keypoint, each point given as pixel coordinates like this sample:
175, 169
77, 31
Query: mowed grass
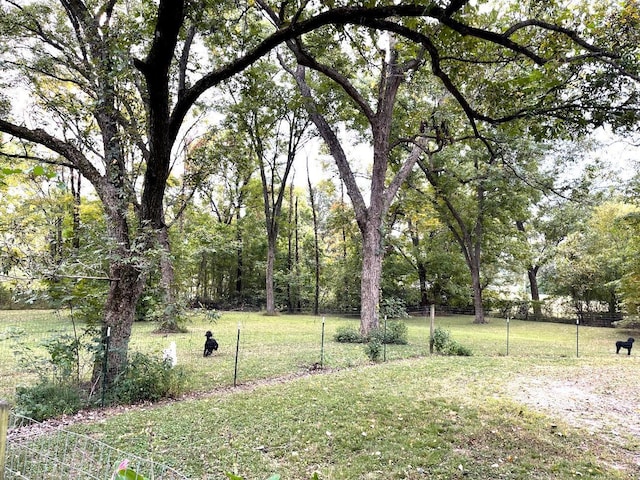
414, 416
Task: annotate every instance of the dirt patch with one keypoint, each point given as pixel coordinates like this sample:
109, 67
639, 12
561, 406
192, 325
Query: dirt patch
602, 400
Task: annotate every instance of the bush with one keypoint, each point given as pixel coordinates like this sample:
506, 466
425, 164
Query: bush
48, 400
146, 378
454, 348
348, 335
373, 349
396, 333
441, 338
443, 343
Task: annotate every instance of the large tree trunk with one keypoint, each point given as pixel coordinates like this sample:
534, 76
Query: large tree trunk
371, 276
169, 321
271, 260
127, 280
370, 219
477, 294
119, 313
535, 293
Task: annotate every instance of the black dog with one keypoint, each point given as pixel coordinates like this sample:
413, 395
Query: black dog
628, 344
210, 344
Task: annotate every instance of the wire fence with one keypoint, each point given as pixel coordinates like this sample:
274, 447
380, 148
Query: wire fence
259, 351
36, 451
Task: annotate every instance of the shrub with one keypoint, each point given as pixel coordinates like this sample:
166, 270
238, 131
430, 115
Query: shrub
47, 400
348, 335
441, 338
147, 378
454, 348
443, 343
373, 349
396, 333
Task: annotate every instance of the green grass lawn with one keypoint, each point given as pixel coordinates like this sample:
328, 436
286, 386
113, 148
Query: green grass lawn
414, 416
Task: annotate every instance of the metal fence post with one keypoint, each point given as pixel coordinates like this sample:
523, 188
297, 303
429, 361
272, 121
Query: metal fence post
432, 327
105, 366
4, 427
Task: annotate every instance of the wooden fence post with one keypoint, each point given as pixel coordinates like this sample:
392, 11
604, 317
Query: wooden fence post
4, 427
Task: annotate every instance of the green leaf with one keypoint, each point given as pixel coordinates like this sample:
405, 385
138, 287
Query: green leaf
38, 170
231, 476
128, 474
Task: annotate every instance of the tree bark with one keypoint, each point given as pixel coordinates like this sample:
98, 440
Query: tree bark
372, 254
75, 181
169, 320
477, 293
271, 260
119, 314
532, 274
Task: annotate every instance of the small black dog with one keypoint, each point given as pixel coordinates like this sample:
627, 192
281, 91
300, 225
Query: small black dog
210, 344
628, 344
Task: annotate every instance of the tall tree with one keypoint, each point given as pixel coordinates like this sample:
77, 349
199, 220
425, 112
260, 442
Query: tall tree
561, 204
276, 128
545, 58
591, 262
369, 217
424, 243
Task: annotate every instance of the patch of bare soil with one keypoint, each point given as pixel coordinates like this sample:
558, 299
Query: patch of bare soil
602, 400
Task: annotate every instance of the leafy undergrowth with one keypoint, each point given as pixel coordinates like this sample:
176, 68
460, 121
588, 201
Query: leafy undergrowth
432, 418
